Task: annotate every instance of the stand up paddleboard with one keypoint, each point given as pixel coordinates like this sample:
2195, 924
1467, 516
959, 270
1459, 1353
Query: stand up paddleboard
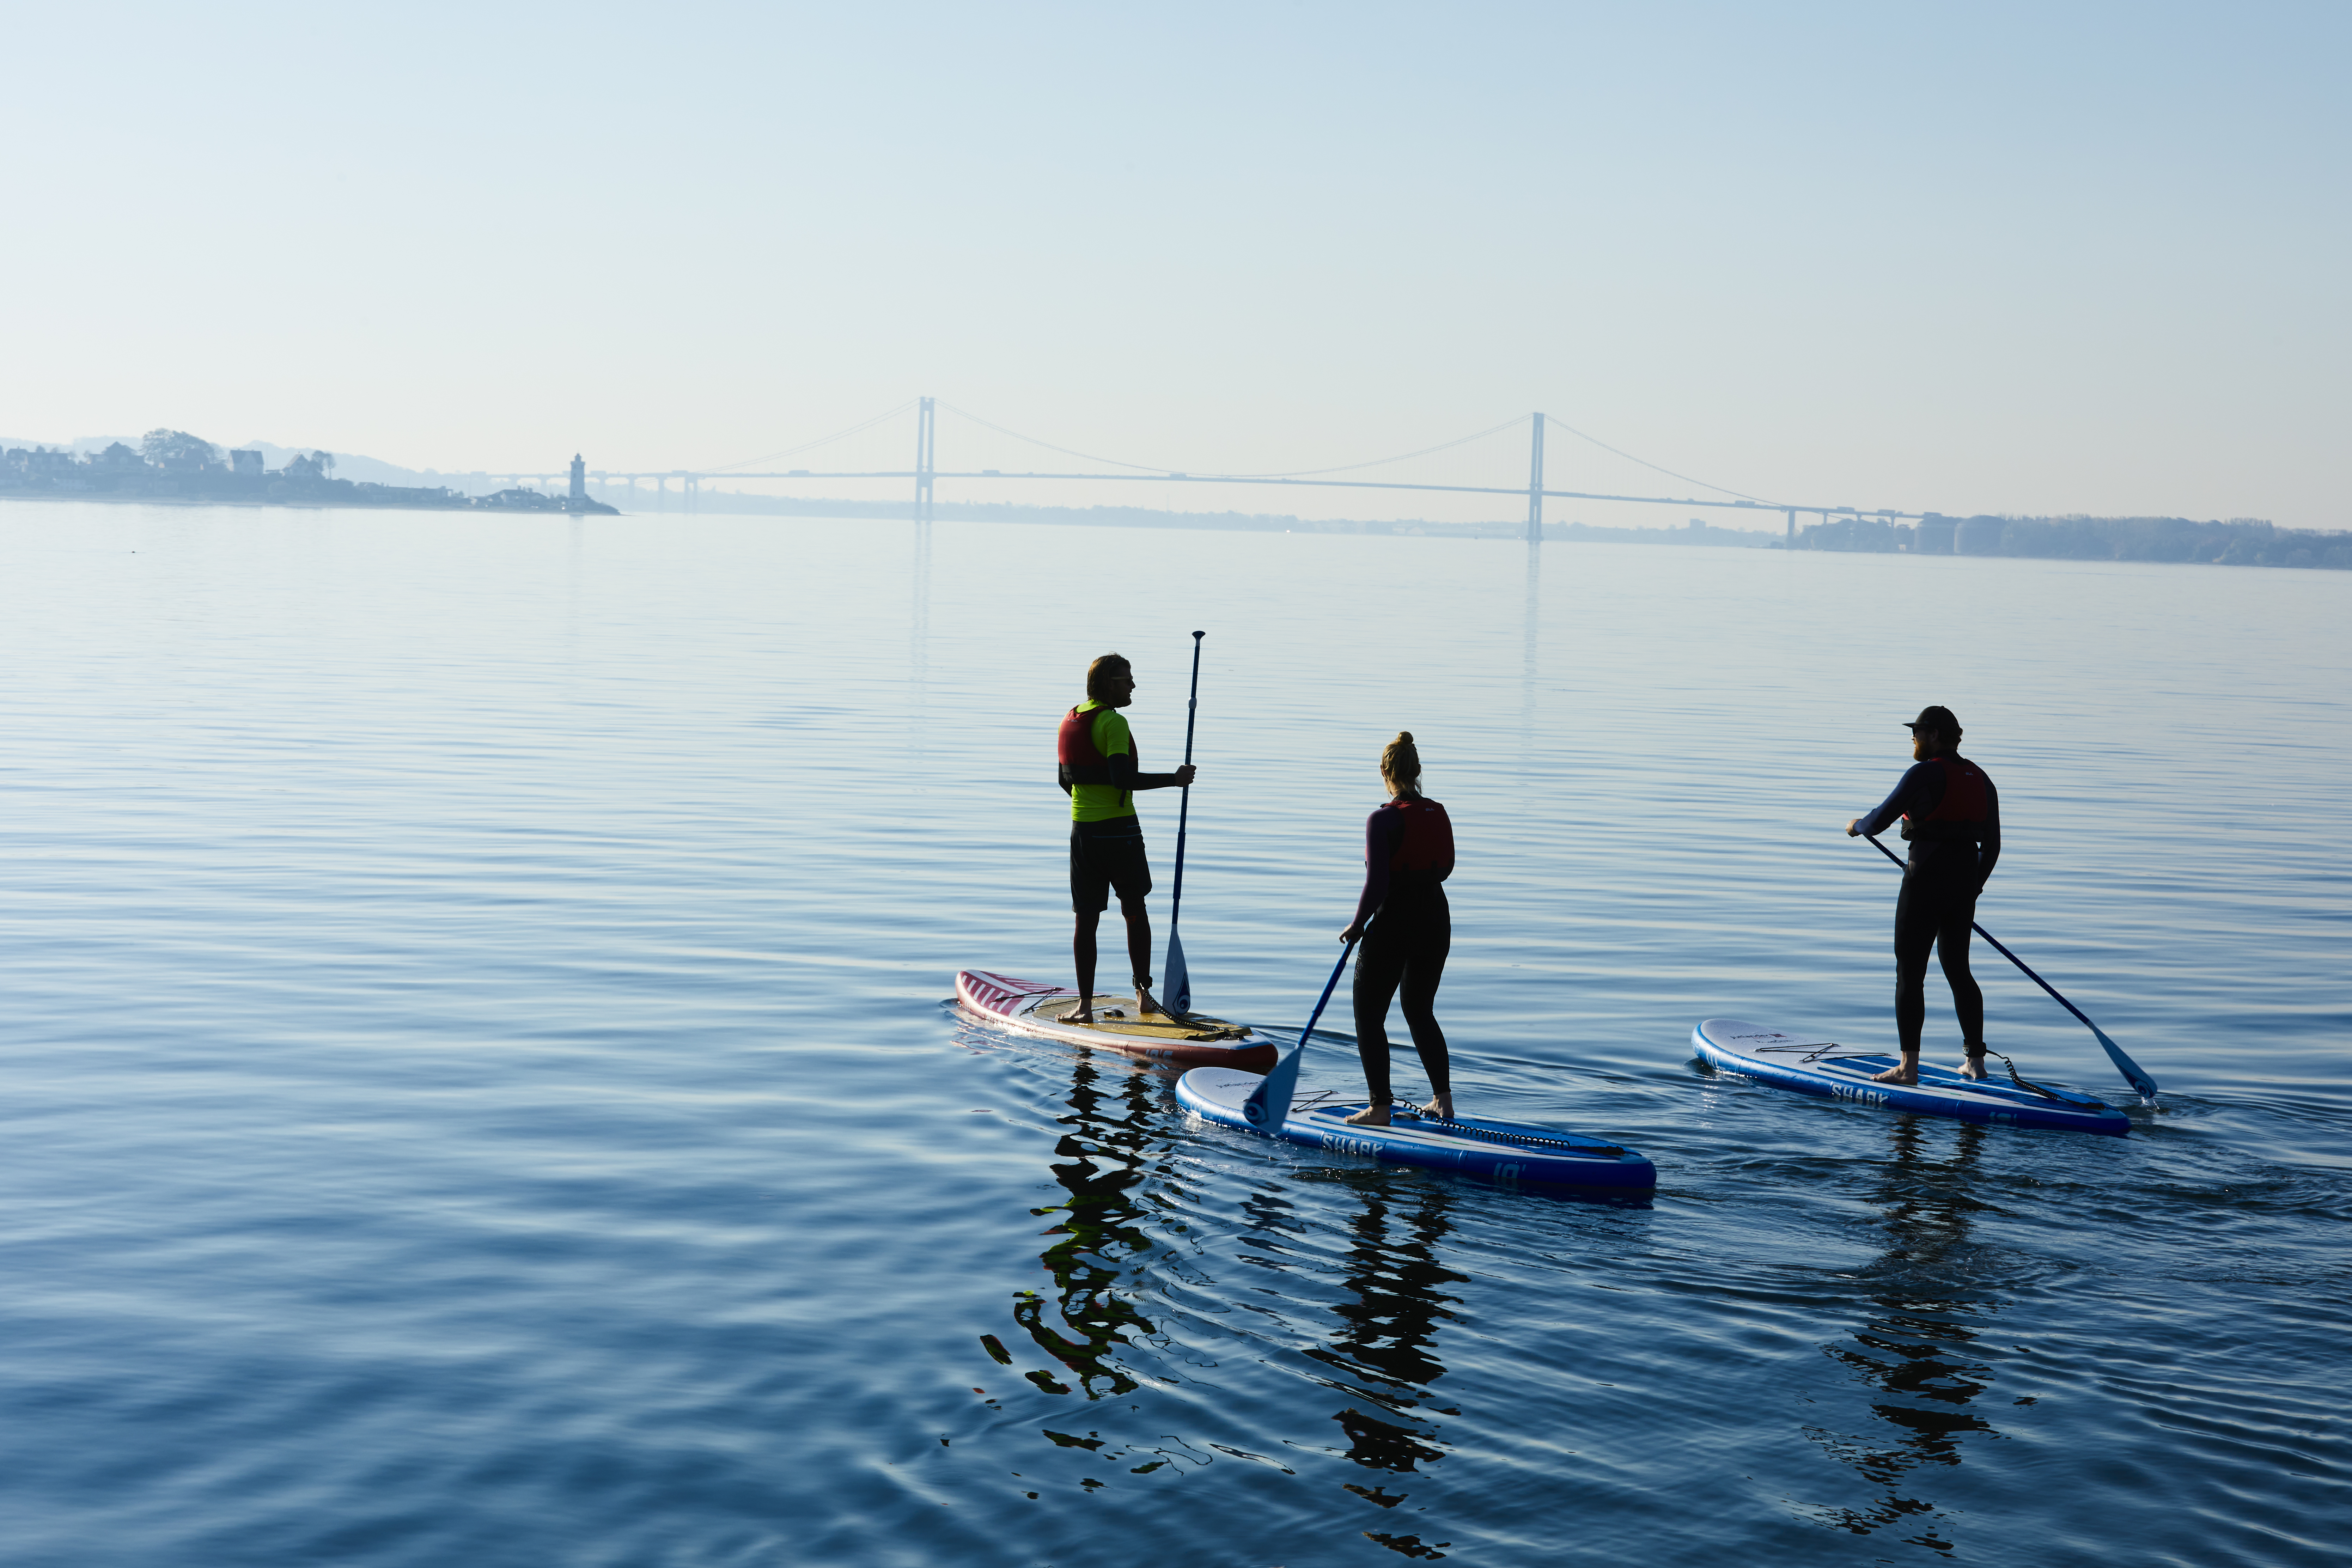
1812, 1065
1499, 1151
1035, 1008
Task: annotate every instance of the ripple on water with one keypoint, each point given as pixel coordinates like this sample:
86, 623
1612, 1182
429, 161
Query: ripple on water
477, 1090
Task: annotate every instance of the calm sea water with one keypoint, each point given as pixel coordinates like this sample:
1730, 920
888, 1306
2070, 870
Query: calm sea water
479, 1089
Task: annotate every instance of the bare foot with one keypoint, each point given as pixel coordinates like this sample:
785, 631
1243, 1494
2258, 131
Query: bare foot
1908, 1073
1145, 1006
1440, 1105
1973, 1066
1370, 1116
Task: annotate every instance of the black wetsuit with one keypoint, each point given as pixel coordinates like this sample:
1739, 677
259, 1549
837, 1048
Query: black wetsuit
1949, 862
1411, 930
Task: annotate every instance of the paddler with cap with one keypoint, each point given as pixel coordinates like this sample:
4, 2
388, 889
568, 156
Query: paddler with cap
1098, 772
1951, 815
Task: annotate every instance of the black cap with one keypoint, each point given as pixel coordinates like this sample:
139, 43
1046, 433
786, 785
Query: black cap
1935, 718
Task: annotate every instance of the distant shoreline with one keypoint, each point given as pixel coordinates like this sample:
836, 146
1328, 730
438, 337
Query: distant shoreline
950, 512
109, 499
317, 497
2154, 541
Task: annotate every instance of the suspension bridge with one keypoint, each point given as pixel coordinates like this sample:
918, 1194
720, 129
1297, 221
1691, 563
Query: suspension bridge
924, 474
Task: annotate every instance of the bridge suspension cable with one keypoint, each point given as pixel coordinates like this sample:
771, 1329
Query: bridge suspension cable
1653, 468
926, 466
1282, 474
1065, 451
1510, 424
822, 441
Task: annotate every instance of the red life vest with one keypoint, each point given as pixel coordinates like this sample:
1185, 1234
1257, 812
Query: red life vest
1081, 763
1425, 851
1963, 811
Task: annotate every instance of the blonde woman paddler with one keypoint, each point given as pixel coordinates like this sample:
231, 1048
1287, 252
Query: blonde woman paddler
1406, 929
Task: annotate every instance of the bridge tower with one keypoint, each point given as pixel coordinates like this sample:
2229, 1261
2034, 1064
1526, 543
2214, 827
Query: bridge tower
1535, 482
926, 460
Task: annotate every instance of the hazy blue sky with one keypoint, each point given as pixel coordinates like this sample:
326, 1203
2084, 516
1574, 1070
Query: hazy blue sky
2041, 257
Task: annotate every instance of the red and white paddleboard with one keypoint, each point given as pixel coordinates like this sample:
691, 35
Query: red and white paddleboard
1034, 1008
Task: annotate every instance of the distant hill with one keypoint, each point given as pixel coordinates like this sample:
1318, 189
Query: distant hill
375, 470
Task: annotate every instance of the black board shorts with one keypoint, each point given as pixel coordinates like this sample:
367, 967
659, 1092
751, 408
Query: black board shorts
1105, 856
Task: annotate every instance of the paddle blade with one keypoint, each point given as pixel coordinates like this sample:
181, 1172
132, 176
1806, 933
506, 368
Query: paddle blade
1269, 1105
2133, 1074
1179, 989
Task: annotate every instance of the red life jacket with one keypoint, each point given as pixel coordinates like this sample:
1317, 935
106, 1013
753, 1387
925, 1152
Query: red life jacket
1425, 851
1081, 763
1963, 811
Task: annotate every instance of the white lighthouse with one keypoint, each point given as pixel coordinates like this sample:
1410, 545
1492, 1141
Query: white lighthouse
579, 478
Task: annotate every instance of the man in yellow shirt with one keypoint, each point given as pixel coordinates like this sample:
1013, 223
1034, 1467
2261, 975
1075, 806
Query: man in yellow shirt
1098, 773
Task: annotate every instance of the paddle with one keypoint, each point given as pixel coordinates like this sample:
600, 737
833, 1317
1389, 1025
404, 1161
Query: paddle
1179, 988
1269, 1105
2132, 1072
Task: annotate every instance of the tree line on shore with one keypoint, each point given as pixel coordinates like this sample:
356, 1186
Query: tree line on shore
172, 465
2239, 542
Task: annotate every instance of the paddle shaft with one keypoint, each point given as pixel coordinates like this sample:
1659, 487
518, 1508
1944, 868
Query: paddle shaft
2124, 1064
1184, 805
1325, 1000
1269, 1105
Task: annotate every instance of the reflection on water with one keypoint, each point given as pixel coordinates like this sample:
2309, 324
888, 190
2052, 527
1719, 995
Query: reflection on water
1530, 621
1531, 614
918, 639
1388, 1334
1917, 1347
564, 887
1106, 1151
1378, 1235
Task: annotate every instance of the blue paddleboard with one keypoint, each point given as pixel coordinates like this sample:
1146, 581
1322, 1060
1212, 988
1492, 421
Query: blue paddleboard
1810, 1065
1499, 1151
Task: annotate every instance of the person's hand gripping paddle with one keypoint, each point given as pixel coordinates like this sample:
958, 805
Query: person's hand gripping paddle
1179, 988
